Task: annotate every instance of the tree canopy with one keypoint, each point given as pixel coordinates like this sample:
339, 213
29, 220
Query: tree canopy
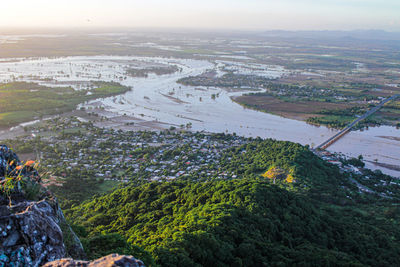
245, 222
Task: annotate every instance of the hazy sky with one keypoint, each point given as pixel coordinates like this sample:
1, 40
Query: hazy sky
218, 14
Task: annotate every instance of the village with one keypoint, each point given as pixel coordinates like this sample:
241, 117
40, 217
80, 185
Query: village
367, 181
121, 156
75, 153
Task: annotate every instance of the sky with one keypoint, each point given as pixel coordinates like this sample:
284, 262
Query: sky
204, 14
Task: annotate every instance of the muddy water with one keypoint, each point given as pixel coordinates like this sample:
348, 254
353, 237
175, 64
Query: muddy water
381, 144
160, 98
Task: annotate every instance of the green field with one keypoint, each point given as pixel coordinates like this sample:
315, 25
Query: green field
21, 101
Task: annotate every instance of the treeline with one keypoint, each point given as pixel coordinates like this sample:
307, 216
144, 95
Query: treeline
144, 73
341, 121
352, 111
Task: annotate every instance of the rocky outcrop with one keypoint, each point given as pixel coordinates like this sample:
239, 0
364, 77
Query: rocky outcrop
10, 165
113, 260
33, 229
30, 234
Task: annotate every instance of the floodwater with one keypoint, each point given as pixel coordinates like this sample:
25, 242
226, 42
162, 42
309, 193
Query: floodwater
160, 98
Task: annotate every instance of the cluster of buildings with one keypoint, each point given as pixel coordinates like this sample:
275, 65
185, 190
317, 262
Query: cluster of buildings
121, 156
338, 161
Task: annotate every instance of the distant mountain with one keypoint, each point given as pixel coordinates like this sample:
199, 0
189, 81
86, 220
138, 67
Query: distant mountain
357, 34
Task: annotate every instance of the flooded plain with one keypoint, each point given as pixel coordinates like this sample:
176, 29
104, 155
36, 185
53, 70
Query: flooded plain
160, 98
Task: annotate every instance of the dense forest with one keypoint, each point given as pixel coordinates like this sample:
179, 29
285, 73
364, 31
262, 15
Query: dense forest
245, 222
250, 202
286, 207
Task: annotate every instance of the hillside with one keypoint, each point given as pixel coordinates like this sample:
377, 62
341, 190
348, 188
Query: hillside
243, 201
244, 223
74, 152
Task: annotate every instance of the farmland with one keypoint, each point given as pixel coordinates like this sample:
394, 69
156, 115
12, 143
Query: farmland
22, 101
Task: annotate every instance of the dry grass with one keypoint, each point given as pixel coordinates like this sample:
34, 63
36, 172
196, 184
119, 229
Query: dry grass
293, 110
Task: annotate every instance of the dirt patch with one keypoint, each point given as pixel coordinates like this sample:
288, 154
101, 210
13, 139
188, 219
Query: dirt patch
294, 110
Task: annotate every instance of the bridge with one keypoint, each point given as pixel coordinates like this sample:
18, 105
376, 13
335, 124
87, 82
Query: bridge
347, 129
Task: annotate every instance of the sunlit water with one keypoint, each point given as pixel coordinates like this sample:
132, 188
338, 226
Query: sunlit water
160, 98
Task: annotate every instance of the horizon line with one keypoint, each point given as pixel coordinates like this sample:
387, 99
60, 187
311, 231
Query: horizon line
7, 29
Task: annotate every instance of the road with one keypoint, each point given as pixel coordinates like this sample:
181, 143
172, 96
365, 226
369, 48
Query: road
337, 136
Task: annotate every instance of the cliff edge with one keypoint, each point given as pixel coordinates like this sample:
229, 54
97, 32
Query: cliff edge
33, 229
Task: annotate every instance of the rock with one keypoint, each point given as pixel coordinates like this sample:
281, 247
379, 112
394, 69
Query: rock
11, 166
8, 160
32, 231
24, 229
33, 234
11, 240
113, 260
4, 211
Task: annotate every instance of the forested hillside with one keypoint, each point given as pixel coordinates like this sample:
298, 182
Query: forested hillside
239, 223
246, 202
308, 172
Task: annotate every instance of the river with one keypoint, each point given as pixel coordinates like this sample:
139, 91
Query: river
160, 98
